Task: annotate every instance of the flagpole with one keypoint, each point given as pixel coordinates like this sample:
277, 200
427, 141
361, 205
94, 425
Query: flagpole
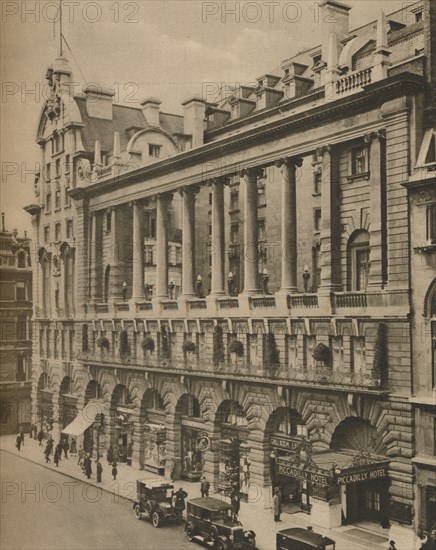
60, 27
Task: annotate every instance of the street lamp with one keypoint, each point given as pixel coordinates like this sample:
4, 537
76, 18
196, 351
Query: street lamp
199, 286
230, 283
306, 277
265, 280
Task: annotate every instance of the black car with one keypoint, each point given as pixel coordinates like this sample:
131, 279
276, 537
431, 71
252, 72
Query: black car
302, 539
154, 501
209, 521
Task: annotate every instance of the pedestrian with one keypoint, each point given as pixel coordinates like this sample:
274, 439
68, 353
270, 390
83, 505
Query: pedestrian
114, 470
88, 467
99, 471
31, 431
73, 447
110, 454
179, 502
65, 447
80, 456
277, 506
59, 449
204, 487
35, 431
236, 506
40, 437
91, 448
22, 435
48, 451
392, 545
56, 457
18, 442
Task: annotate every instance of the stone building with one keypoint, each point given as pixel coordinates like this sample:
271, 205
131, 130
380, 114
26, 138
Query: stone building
15, 340
267, 338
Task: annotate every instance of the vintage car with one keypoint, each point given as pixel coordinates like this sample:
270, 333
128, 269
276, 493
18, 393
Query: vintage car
302, 539
154, 501
209, 521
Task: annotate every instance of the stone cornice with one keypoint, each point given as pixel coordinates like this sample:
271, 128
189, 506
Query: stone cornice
372, 96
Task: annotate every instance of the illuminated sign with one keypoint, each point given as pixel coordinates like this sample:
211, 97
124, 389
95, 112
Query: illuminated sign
306, 475
369, 475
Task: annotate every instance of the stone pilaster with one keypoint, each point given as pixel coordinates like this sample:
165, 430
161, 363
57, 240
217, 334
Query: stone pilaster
251, 230
289, 224
138, 253
162, 202
377, 230
218, 238
188, 242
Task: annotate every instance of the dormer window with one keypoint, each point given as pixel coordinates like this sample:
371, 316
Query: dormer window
154, 150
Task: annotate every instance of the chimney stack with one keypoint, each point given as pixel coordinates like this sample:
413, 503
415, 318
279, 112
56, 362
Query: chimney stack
334, 17
150, 108
99, 101
382, 52
193, 119
117, 148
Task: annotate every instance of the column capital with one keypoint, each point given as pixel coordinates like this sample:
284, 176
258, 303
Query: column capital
194, 189
223, 180
320, 151
376, 135
253, 172
286, 161
165, 196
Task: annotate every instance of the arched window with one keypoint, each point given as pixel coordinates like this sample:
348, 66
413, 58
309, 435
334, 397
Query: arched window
358, 261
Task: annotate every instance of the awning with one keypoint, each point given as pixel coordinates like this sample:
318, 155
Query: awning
83, 420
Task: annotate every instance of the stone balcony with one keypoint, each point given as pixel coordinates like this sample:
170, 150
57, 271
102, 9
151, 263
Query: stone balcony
376, 303
240, 369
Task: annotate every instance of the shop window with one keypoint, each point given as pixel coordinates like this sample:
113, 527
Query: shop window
359, 161
431, 224
358, 261
154, 150
20, 289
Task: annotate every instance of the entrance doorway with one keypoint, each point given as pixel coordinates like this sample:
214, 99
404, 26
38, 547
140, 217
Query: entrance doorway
367, 501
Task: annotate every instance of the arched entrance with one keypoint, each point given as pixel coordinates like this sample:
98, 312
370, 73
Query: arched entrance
191, 429
121, 413
45, 404
285, 435
234, 455
364, 495
152, 455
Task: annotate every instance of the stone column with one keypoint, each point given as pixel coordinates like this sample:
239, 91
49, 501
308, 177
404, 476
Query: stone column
162, 202
218, 227
289, 224
138, 253
188, 241
377, 229
93, 258
330, 223
251, 263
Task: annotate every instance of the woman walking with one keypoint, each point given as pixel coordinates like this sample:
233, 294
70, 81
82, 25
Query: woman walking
99, 471
114, 470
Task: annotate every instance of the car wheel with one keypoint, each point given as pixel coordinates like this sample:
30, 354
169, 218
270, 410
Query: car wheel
221, 545
137, 512
190, 533
155, 518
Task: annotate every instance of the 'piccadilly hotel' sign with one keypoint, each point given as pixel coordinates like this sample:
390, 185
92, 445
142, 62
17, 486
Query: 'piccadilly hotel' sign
376, 473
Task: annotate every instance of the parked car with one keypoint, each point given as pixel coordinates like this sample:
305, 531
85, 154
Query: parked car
302, 539
154, 501
209, 521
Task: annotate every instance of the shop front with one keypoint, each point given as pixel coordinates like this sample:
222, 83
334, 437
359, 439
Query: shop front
46, 418
154, 440
235, 462
338, 487
194, 443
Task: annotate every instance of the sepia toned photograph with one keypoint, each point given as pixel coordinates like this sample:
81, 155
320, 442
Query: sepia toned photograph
218, 275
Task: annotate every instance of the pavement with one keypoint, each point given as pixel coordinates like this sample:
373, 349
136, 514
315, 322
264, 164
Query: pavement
252, 516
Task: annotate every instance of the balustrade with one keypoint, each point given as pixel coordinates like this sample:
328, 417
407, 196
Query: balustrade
302, 301
350, 299
353, 82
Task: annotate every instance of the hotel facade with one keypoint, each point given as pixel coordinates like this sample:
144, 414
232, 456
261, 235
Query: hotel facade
229, 291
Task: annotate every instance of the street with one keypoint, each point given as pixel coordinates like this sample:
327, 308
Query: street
42, 509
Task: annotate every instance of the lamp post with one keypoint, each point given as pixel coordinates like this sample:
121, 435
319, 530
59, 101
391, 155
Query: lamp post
199, 286
265, 280
306, 277
230, 283
272, 467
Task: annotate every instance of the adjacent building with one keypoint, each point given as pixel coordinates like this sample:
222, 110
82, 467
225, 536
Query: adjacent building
228, 291
15, 325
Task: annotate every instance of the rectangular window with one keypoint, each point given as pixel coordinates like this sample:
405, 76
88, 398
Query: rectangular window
47, 172
317, 180
261, 195
108, 221
153, 228
47, 234
20, 291
67, 197
362, 269
154, 150
48, 202
431, 224
359, 161
69, 229
58, 232
210, 199
67, 164
234, 200
21, 328
317, 219
58, 196
262, 230
234, 233
58, 168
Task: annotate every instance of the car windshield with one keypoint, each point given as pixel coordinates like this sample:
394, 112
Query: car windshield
161, 494
222, 515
